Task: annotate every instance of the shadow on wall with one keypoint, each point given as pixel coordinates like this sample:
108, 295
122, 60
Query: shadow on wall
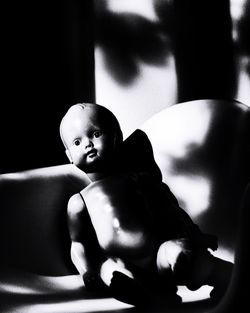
203, 51
128, 39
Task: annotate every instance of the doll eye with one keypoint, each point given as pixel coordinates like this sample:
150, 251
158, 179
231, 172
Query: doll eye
97, 134
77, 142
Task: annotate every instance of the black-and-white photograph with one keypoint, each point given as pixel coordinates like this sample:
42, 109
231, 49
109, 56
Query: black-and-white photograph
125, 161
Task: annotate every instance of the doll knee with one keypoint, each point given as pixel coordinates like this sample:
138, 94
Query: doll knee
167, 255
110, 266
173, 255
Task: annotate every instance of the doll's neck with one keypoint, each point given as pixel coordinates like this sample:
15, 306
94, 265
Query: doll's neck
97, 176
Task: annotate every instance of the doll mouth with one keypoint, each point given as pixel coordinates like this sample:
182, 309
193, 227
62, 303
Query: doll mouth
92, 153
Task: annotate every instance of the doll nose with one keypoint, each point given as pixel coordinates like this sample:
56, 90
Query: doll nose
88, 143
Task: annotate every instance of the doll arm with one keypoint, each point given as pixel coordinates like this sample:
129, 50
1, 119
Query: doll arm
86, 253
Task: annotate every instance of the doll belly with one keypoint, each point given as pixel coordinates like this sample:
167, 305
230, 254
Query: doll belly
119, 215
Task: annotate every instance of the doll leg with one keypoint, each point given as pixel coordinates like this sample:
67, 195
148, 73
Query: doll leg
193, 267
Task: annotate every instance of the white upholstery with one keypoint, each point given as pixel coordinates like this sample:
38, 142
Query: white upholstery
203, 150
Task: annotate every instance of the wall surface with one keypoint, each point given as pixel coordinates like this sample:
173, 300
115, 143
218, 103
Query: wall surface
154, 54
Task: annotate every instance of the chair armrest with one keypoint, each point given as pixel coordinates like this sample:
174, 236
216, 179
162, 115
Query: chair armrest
33, 223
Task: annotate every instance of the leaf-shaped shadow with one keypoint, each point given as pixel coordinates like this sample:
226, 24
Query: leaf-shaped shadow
127, 39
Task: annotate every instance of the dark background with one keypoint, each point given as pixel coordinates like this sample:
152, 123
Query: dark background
47, 63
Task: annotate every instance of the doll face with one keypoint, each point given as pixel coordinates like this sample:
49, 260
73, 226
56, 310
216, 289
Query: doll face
90, 145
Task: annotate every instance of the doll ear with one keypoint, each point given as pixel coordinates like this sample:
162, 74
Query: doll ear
69, 156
